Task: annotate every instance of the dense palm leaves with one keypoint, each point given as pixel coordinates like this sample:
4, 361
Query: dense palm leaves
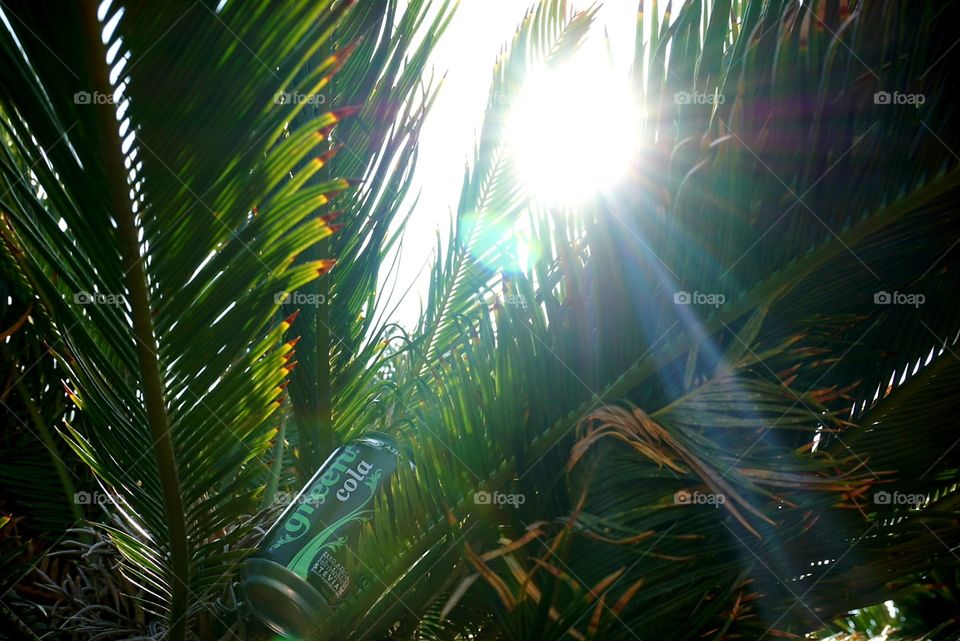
342, 323
799, 198
157, 244
598, 455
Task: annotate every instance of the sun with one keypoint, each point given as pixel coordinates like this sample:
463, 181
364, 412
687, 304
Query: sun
573, 132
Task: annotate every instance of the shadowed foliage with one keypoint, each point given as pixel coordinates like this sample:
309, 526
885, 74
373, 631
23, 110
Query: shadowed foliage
715, 403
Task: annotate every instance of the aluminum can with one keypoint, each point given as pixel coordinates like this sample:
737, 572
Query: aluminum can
304, 564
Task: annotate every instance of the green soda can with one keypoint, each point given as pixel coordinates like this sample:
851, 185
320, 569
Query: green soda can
302, 569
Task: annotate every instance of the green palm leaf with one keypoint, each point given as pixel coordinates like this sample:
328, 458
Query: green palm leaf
182, 225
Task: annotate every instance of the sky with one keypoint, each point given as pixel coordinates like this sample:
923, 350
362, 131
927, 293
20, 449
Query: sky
466, 54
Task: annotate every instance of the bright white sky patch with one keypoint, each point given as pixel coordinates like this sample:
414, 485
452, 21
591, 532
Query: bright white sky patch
573, 130
466, 54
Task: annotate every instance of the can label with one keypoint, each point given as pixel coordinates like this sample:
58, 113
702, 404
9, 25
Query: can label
313, 535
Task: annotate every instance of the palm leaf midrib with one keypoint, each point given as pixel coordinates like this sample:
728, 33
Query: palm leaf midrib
143, 328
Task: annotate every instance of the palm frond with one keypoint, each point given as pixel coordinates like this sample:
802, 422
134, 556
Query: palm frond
162, 210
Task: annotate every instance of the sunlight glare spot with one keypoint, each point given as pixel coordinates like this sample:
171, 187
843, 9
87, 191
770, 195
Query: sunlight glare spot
573, 131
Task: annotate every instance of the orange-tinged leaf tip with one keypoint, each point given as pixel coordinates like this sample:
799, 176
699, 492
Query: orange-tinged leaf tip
344, 52
325, 157
322, 200
289, 366
332, 58
72, 395
323, 266
338, 59
335, 228
292, 317
324, 132
293, 342
344, 112
332, 216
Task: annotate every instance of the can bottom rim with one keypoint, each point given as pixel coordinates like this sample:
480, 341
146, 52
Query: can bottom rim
284, 601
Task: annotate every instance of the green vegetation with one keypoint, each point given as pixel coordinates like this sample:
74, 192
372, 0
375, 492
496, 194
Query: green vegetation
717, 402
